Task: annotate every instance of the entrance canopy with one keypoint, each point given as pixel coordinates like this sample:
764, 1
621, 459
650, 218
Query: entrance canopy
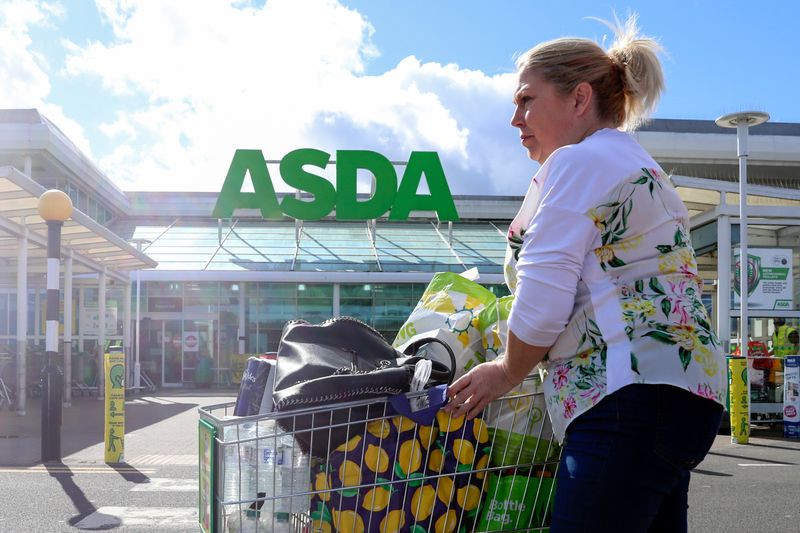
94, 247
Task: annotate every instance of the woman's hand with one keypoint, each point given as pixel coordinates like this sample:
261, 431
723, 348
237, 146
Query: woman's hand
474, 390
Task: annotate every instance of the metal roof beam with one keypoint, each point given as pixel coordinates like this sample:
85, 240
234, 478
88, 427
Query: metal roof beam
733, 187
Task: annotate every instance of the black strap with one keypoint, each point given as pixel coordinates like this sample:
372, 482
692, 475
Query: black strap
414, 347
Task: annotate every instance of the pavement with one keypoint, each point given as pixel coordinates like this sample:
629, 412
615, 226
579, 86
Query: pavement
738, 488
155, 489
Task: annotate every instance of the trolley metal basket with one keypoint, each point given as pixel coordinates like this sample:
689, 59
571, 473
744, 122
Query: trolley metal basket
258, 479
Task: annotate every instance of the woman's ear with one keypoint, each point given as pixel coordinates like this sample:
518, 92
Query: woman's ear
582, 94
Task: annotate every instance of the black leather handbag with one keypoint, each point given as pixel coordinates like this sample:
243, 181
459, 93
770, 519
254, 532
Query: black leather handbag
340, 360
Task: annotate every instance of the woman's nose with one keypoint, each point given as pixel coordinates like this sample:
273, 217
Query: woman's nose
516, 118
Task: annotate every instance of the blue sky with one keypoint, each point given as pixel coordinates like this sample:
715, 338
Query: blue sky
159, 94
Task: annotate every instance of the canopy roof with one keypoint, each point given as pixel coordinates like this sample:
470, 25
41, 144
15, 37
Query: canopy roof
93, 246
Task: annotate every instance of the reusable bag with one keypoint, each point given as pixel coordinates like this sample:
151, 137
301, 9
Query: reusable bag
448, 310
338, 360
517, 502
519, 425
389, 479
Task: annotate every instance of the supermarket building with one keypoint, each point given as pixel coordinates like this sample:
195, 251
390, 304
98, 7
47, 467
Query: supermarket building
214, 288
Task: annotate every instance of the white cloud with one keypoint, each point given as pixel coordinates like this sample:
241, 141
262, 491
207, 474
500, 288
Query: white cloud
26, 83
217, 76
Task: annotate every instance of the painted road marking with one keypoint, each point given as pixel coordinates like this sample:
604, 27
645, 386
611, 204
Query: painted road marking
175, 460
154, 399
74, 470
765, 464
166, 485
150, 517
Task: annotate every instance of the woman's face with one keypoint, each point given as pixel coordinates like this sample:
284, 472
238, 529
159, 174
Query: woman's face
546, 118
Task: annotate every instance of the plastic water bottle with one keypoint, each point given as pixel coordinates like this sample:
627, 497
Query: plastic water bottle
239, 458
269, 468
296, 477
275, 523
282, 523
301, 481
244, 522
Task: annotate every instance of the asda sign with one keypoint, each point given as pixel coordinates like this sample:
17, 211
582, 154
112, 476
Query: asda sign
396, 197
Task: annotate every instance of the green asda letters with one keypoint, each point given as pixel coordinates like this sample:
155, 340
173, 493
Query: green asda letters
399, 202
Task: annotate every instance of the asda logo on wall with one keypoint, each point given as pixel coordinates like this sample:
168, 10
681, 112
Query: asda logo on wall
396, 197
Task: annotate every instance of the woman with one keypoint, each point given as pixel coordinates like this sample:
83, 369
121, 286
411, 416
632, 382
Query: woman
607, 294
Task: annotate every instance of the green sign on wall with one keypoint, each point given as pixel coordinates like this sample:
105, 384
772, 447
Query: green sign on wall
388, 197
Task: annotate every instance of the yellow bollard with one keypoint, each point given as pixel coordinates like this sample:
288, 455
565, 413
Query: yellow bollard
114, 374
739, 400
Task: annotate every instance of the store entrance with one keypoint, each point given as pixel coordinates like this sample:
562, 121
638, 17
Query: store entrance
173, 344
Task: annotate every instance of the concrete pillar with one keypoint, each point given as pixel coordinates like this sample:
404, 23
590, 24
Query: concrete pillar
126, 334
724, 253
22, 321
101, 334
242, 321
81, 304
137, 368
336, 299
37, 315
68, 330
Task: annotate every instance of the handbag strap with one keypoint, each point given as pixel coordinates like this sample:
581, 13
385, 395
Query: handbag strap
414, 347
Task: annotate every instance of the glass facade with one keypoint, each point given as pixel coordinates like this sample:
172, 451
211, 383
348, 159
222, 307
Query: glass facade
383, 306
182, 322
82, 201
175, 313
324, 246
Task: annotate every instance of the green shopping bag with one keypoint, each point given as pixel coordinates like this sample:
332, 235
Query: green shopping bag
517, 501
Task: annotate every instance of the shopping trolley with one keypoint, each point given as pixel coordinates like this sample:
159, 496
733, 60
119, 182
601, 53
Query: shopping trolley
258, 478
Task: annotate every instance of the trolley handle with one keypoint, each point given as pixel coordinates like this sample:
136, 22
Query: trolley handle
420, 407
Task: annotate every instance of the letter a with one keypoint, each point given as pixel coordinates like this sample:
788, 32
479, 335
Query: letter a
231, 197
439, 199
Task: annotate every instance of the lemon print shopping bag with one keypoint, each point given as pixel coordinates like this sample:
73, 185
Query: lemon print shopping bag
411, 472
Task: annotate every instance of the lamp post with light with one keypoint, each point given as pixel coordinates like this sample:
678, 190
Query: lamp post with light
55, 207
740, 400
742, 122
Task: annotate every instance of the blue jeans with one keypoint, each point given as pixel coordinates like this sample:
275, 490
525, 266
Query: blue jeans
625, 462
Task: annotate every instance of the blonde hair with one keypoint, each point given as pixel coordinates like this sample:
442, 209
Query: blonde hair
627, 80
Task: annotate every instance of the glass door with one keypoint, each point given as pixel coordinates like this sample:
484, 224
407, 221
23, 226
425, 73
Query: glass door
152, 348
198, 349
179, 348
172, 353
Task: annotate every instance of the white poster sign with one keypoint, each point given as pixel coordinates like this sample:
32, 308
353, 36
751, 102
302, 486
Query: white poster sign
769, 278
90, 320
191, 341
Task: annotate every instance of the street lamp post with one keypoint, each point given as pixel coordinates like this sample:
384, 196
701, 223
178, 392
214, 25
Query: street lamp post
740, 401
54, 207
742, 122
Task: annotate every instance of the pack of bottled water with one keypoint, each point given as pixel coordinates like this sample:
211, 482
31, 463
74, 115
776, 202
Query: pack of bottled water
267, 473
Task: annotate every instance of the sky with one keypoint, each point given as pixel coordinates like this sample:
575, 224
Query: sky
159, 94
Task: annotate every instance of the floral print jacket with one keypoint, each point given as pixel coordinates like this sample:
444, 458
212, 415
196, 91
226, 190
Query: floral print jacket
638, 315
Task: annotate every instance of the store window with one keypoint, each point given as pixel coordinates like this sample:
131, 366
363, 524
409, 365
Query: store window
229, 294
499, 289
200, 297
384, 306
314, 302
268, 306
773, 268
